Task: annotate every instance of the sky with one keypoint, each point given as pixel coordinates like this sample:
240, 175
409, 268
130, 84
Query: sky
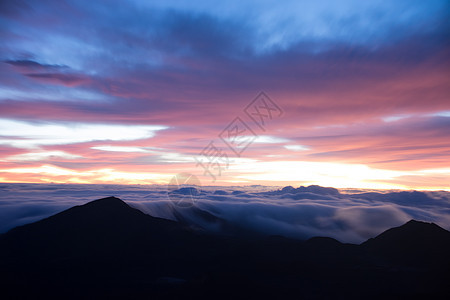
349, 94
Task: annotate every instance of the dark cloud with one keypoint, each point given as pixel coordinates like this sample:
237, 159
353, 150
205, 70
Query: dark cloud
205, 36
30, 64
66, 79
13, 9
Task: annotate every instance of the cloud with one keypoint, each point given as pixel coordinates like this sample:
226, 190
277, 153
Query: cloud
369, 221
39, 156
30, 65
296, 147
27, 135
338, 71
121, 149
46, 73
65, 79
297, 213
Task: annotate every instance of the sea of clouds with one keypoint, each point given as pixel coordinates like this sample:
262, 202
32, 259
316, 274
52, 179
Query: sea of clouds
348, 215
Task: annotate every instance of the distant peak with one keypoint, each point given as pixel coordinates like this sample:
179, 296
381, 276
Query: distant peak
107, 202
109, 199
416, 222
415, 225
411, 234
412, 221
186, 191
421, 224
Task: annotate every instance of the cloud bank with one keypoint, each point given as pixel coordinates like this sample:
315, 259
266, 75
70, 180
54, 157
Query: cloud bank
349, 216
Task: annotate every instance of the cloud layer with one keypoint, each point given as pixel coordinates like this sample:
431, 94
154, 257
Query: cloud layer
349, 216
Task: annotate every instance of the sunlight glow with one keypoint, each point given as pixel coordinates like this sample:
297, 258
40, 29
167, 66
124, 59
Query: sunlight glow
62, 175
327, 174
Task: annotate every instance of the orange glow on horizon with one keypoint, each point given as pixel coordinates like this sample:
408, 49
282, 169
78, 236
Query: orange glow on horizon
280, 174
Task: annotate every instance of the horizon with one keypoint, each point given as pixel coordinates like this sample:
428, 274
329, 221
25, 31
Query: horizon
349, 95
341, 189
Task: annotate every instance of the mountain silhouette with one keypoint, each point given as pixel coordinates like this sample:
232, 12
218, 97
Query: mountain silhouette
415, 242
100, 225
107, 249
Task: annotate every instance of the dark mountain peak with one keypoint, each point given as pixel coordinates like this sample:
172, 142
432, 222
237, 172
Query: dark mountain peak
93, 214
412, 221
317, 189
186, 191
108, 199
412, 232
108, 202
414, 240
415, 230
111, 209
99, 224
419, 224
310, 190
288, 189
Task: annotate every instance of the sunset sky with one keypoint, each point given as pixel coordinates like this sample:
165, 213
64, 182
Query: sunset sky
356, 94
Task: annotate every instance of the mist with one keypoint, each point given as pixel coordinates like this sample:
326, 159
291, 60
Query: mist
351, 216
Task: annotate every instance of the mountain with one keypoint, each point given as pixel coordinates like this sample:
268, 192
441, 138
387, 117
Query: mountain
413, 243
100, 225
106, 249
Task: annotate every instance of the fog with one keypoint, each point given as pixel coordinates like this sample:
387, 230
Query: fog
348, 216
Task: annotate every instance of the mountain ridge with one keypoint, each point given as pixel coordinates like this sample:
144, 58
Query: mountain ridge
130, 253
